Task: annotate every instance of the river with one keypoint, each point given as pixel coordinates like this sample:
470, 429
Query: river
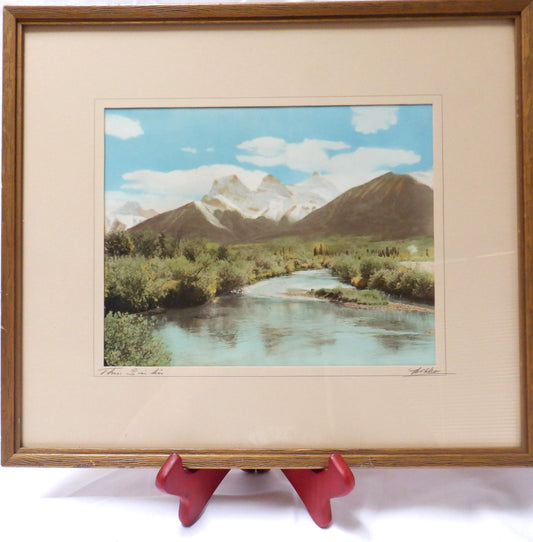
266, 327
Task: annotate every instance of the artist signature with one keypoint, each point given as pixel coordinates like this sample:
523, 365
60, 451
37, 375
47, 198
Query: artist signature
131, 371
423, 371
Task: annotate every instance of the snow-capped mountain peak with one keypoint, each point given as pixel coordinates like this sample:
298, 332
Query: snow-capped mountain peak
271, 185
126, 216
229, 186
317, 185
272, 199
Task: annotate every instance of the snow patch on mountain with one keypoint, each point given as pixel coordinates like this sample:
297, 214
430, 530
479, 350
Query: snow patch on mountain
318, 186
271, 185
126, 216
424, 177
230, 185
212, 219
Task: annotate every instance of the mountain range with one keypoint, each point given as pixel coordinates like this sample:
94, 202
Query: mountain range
392, 206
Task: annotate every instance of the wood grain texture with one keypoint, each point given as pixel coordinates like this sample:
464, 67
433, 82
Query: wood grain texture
265, 459
526, 89
16, 19
266, 12
10, 273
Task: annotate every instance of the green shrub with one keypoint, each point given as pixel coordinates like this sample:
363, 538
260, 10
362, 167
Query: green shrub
425, 288
345, 267
407, 283
138, 284
146, 243
232, 277
350, 295
129, 340
118, 243
369, 266
368, 297
196, 283
222, 252
193, 249
417, 285
386, 280
126, 284
359, 282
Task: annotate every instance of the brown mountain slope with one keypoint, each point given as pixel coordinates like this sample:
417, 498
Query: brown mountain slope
195, 221
248, 229
392, 206
186, 222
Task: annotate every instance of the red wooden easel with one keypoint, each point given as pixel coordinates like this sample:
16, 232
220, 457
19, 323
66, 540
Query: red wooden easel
315, 487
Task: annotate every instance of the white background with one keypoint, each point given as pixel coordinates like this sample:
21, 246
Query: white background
395, 504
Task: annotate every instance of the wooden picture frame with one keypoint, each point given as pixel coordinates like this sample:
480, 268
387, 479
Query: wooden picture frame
20, 21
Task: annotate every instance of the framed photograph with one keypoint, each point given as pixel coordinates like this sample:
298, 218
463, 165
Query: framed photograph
257, 235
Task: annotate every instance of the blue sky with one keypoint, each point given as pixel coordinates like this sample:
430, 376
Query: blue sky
164, 158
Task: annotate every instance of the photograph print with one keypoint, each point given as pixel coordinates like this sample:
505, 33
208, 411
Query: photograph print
298, 236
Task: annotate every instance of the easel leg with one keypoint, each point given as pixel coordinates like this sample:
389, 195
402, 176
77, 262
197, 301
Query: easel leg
317, 487
193, 487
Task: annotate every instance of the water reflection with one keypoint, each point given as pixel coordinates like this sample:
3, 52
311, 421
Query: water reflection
264, 327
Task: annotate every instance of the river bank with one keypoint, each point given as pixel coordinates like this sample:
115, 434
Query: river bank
390, 306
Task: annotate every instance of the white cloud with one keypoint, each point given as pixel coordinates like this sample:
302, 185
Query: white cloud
115, 199
191, 150
171, 189
210, 149
369, 119
264, 146
122, 127
264, 151
345, 169
309, 155
371, 158
366, 163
